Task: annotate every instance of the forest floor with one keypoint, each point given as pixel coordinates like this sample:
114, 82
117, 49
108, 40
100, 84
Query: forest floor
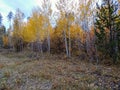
20, 71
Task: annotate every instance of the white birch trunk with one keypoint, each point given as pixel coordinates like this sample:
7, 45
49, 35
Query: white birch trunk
66, 45
69, 42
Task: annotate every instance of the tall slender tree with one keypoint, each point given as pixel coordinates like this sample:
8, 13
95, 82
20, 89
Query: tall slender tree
10, 16
66, 13
84, 19
47, 12
17, 28
1, 18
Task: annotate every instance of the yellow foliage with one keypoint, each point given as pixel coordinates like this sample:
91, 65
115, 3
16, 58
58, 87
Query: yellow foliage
28, 34
5, 40
37, 28
77, 32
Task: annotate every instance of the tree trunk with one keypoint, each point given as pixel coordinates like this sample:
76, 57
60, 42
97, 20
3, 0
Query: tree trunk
116, 47
66, 46
69, 42
48, 39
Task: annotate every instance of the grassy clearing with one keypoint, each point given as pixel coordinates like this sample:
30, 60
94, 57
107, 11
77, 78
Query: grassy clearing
18, 71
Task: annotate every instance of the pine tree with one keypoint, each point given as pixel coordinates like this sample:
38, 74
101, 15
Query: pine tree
107, 29
10, 16
0, 19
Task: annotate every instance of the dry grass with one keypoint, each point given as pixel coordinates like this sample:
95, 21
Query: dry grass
51, 72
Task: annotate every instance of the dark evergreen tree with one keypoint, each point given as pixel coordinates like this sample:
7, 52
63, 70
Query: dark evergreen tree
0, 19
2, 33
107, 29
10, 16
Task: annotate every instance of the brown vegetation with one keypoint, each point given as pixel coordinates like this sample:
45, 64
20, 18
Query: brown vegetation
53, 72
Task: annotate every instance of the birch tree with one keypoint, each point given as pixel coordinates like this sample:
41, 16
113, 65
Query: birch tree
17, 28
10, 16
47, 12
65, 8
84, 16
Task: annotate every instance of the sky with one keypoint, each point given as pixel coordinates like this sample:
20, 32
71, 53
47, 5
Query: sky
25, 6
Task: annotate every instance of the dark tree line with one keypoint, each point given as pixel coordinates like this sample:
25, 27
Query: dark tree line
107, 29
